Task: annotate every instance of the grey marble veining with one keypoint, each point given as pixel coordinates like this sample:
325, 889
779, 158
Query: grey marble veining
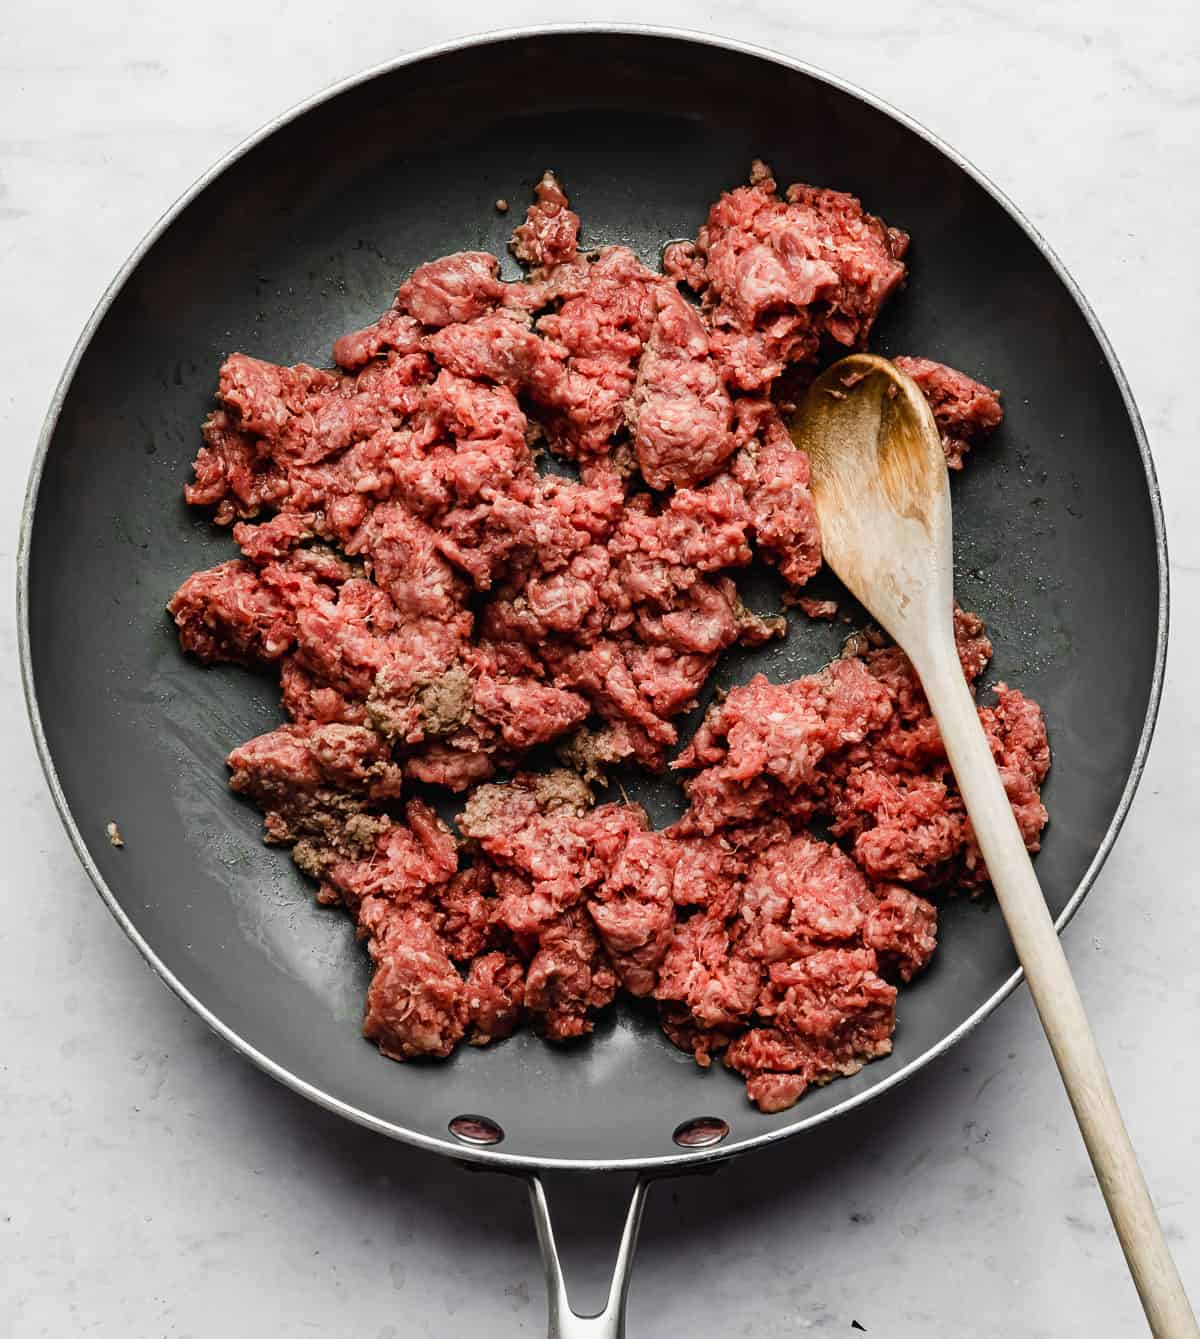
153, 1184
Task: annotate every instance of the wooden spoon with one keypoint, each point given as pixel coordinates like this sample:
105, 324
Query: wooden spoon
883, 499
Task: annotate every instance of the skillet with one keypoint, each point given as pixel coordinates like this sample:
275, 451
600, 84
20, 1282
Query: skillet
304, 232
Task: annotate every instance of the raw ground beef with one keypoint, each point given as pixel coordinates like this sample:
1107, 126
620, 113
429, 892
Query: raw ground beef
964, 410
777, 278
436, 606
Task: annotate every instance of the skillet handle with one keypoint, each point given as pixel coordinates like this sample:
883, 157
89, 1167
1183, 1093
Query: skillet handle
564, 1322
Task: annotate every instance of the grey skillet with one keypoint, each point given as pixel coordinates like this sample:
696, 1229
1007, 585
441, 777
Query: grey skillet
304, 232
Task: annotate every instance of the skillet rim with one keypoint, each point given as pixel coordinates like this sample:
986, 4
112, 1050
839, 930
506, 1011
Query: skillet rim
496, 1159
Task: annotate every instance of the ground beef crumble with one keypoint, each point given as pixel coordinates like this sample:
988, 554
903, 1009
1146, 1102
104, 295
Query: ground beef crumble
965, 410
436, 606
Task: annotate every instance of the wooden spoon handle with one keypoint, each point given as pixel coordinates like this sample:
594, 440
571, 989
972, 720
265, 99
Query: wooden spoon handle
1058, 1004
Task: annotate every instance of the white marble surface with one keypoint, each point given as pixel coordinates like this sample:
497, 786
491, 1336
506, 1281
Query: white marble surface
154, 1184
